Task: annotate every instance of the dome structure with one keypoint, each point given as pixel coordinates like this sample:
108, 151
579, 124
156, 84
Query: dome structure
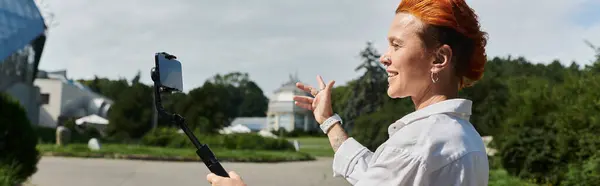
284, 114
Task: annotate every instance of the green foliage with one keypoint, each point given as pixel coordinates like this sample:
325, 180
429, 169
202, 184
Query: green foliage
169, 137
298, 133
372, 129
551, 127
246, 95
499, 177
131, 115
367, 92
584, 173
206, 108
140, 152
48, 135
18, 140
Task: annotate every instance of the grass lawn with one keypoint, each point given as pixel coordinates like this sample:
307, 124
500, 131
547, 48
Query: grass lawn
315, 146
121, 151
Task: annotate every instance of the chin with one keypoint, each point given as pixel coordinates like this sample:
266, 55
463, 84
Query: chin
395, 93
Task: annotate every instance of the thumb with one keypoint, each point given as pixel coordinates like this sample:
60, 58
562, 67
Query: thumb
234, 175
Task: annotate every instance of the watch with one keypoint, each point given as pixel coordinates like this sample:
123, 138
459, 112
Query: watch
329, 122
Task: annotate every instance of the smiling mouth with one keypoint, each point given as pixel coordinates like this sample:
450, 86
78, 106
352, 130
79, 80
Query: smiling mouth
392, 74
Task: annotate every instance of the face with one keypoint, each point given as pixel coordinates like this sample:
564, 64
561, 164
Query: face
407, 61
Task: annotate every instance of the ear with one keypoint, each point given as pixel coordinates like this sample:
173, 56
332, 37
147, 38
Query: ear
442, 58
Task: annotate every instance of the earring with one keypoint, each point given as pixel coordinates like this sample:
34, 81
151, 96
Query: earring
434, 80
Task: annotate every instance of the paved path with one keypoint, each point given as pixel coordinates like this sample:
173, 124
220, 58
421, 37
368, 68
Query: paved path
56, 171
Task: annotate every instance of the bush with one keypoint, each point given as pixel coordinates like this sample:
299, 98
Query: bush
586, 173
48, 135
19, 157
298, 133
169, 137
552, 128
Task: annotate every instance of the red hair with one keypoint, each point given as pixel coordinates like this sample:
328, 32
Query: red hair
454, 23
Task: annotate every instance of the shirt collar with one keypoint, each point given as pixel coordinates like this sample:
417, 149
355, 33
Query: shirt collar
457, 107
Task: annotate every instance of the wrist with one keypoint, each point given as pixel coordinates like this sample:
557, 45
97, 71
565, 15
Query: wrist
325, 116
330, 122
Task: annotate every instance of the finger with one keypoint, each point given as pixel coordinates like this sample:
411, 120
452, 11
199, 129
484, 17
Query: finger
234, 175
329, 87
306, 106
304, 87
212, 178
303, 99
321, 82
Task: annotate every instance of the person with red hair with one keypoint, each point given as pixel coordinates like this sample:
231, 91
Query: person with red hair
435, 48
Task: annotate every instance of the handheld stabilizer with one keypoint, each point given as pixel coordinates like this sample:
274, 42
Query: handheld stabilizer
167, 77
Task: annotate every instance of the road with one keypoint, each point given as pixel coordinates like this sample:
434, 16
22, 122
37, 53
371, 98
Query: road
57, 171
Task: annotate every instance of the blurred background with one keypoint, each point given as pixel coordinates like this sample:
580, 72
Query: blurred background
76, 100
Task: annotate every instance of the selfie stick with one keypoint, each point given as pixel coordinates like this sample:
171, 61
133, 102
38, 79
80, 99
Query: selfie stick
203, 151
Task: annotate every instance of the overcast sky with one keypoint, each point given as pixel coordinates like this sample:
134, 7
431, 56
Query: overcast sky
270, 39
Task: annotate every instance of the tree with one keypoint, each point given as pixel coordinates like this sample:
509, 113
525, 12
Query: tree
245, 94
131, 115
255, 103
369, 92
137, 78
209, 107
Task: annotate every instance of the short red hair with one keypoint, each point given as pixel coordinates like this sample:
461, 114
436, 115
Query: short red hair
454, 23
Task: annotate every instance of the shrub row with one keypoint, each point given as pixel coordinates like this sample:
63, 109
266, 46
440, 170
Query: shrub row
169, 137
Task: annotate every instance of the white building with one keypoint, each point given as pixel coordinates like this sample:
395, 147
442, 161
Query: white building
254, 124
283, 113
62, 98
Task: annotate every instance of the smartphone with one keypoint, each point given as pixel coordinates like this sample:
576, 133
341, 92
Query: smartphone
169, 71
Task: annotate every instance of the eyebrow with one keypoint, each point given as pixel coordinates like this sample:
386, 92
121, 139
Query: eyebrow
394, 38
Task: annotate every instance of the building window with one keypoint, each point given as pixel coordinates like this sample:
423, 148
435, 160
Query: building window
45, 99
299, 121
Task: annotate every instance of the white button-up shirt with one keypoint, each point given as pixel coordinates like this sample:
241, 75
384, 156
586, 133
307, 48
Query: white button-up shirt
435, 145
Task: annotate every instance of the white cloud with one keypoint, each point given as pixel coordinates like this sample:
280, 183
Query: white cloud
272, 39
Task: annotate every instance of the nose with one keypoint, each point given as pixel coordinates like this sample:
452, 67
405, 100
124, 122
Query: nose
385, 60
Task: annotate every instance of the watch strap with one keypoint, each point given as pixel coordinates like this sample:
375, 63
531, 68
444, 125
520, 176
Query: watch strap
329, 122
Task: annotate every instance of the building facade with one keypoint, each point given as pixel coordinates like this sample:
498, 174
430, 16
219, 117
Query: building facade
284, 114
65, 98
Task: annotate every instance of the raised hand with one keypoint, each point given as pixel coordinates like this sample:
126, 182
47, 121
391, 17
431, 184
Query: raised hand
320, 103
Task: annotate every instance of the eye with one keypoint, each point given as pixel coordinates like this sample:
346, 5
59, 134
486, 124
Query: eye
396, 46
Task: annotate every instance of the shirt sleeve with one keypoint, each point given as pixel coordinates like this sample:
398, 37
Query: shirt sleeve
351, 160
392, 166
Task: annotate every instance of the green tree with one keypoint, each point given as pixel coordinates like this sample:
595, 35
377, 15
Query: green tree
212, 102
245, 94
369, 92
131, 115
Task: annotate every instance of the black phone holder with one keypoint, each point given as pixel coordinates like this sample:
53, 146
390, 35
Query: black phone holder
205, 154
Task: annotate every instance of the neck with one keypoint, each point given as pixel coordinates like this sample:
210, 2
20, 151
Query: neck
434, 94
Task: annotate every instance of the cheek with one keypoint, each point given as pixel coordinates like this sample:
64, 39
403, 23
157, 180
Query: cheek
411, 69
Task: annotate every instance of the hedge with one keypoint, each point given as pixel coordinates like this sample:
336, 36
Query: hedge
169, 137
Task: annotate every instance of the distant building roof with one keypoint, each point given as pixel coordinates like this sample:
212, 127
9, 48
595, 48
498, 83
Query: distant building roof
62, 76
283, 98
253, 123
288, 90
